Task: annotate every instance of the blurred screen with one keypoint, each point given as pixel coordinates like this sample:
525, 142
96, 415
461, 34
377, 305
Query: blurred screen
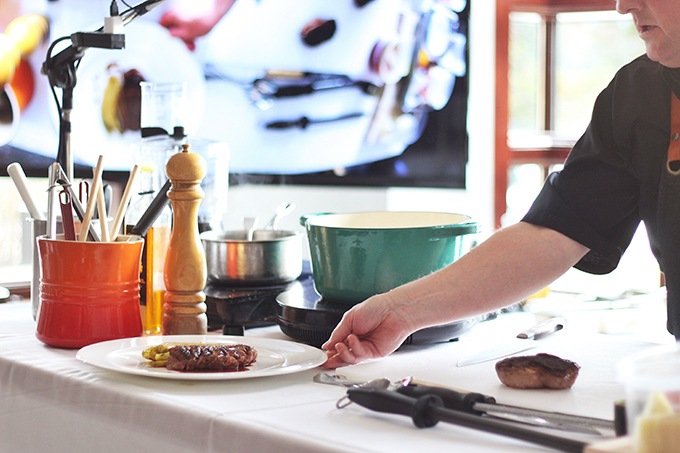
303, 92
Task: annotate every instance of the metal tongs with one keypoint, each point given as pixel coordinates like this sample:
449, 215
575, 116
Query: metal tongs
474, 403
478, 404
427, 410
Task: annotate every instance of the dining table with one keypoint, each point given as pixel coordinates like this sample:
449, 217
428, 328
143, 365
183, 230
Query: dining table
53, 401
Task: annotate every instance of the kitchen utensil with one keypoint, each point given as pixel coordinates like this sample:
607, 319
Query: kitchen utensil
428, 410
474, 403
38, 229
304, 122
185, 272
92, 199
124, 201
67, 221
382, 383
479, 404
154, 210
84, 191
249, 225
271, 257
52, 174
62, 179
89, 291
282, 210
108, 196
422, 383
525, 340
357, 255
16, 172
103, 213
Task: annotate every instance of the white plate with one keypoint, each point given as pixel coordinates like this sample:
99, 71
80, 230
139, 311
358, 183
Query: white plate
273, 357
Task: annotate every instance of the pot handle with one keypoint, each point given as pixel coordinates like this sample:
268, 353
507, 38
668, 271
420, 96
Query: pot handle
458, 229
306, 217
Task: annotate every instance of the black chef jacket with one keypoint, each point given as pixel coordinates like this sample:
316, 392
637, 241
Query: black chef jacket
614, 177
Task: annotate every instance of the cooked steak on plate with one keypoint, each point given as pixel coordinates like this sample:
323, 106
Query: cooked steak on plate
201, 356
197, 357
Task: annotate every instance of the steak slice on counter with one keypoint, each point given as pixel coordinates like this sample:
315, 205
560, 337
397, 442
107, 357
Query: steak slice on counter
210, 357
537, 372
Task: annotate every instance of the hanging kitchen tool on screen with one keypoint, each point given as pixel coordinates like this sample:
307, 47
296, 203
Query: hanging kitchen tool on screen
338, 99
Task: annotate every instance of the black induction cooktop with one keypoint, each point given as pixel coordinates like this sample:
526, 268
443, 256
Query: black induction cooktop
308, 317
300, 312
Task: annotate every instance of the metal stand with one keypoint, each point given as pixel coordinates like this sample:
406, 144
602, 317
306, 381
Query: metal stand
61, 68
61, 73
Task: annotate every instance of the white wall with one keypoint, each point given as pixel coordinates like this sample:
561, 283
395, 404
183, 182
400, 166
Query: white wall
476, 200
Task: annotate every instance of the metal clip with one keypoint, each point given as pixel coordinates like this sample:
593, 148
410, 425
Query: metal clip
343, 402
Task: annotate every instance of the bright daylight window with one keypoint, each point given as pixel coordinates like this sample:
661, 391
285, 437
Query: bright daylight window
589, 47
586, 51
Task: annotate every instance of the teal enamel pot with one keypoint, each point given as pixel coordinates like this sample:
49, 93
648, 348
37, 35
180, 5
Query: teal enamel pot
357, 255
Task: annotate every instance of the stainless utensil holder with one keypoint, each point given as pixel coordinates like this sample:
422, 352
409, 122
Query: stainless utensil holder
38, 228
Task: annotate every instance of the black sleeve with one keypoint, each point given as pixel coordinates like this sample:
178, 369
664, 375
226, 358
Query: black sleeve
594, 199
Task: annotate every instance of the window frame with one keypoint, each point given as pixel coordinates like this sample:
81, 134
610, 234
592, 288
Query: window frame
555, 153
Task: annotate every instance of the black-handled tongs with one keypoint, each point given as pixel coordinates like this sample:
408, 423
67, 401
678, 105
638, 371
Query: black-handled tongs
427, 410
478, 404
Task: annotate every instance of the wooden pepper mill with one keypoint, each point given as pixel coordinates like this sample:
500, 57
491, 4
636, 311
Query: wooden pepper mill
185, 271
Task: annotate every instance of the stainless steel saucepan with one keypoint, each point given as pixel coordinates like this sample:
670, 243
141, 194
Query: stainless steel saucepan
272, 257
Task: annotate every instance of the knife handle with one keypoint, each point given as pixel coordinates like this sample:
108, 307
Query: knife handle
543, 329
153, 211
390, 402
452, 399
424, 383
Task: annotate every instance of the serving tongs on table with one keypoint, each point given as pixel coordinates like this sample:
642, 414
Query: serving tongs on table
428, 410
475, 404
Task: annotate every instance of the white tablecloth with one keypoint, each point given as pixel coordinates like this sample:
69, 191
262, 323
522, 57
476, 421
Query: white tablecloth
50, 401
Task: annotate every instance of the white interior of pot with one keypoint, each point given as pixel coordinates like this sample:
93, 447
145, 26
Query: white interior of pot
387, 220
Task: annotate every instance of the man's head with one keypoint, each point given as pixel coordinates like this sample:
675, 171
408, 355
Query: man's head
658, 24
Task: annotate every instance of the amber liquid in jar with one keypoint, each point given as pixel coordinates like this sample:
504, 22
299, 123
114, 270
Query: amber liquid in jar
151, 308
156, 243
